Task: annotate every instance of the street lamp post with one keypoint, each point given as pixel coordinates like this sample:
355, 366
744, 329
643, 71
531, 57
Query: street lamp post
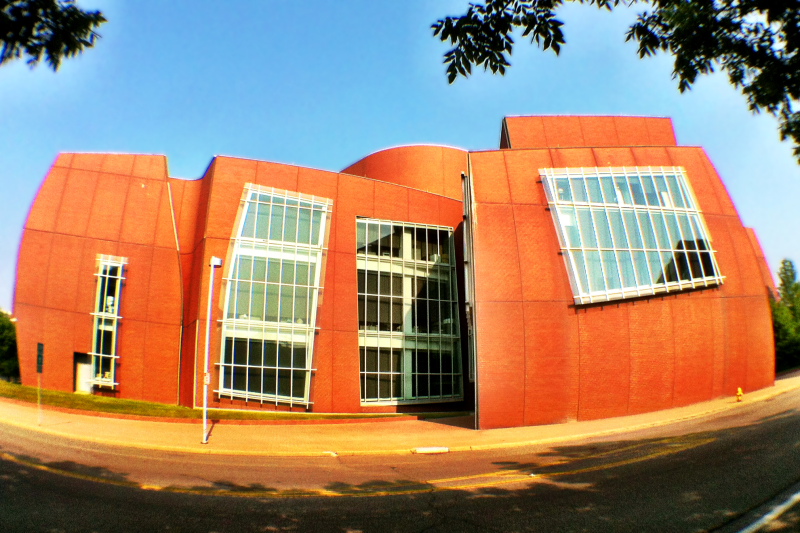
216, 262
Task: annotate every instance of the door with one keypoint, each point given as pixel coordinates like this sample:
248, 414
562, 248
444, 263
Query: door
83, 373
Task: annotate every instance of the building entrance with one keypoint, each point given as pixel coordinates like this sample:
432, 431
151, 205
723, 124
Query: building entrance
83, 373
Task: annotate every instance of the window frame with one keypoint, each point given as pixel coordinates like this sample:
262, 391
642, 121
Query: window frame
298, 334
105, 320
409, 261
621, 224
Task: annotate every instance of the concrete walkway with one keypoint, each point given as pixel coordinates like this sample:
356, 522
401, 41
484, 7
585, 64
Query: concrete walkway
350, 438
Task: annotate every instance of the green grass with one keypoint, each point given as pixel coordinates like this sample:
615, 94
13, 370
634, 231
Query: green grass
101, 404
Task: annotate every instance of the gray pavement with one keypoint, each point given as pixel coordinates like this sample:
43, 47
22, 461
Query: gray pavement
318, 439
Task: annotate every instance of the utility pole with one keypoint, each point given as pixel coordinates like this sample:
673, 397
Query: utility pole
216, 262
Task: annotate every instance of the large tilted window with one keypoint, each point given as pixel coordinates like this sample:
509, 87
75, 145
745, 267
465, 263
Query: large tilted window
407, 313
106, 319
629, 232
273, 287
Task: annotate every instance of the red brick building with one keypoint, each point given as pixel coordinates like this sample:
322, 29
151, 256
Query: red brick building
589, 268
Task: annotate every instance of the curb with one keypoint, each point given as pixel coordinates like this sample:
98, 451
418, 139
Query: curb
421, 450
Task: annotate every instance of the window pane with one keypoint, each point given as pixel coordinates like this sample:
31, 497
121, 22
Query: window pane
248, 229
632, 229
626, 269
259, 269
674, 231
385, 284
372, 282
273, 302
647, 230
273, 270
650, 190
586, 228
287, 272
262, 221
670, 267
623, 191
420, 247
578, 190
662, 237
640, 264
302, 272
601, 225
593, 187
316, 228
276, 223
362, 282
609, 192
257, 305
397, 241
304, 226
611, 272
580, 267
663, 192
695, 265
444, 247
595, 271
617, 228
243, 299
656, 270
562, 189
286, 303
385, 240
245, 268
686, 230
636, 190
290, 225
569, 226
675, 192
301, 307
373, 239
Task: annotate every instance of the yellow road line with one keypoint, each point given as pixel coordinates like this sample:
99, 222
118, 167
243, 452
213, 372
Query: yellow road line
491, 479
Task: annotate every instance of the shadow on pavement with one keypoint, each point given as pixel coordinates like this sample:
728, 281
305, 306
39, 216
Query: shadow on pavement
694, 482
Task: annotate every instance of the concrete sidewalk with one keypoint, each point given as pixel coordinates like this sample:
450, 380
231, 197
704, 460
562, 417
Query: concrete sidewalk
350, 438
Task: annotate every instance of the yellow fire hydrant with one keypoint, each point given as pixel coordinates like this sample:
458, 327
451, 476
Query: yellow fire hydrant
739, 395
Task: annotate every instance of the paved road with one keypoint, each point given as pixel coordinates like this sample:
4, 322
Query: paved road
700, 475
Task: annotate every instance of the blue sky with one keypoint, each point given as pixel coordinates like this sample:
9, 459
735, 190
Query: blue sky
322, 84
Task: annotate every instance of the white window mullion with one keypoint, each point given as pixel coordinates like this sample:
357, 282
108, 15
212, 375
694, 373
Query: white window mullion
669, 259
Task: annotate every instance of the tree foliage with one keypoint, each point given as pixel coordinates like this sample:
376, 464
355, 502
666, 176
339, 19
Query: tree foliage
49, 29
9, 364
756, 42
786, 318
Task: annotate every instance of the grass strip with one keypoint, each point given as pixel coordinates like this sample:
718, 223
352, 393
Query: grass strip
102, 404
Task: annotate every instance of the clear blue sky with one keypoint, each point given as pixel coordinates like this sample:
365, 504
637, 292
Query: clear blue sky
322, 84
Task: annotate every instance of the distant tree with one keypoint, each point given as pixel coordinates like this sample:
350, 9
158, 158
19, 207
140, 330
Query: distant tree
9, 364
757, 42
53, 29
786, 318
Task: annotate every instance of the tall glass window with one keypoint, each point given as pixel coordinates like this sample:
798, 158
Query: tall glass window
407, 313
106, 319
628, 232
273, 286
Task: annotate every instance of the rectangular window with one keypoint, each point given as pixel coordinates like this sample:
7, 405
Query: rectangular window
271, 298
636, 232
106, 319
407, 313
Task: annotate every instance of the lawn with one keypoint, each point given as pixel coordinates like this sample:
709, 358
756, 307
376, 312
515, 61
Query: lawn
87, 402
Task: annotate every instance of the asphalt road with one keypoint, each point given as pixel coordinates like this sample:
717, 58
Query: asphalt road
710, 474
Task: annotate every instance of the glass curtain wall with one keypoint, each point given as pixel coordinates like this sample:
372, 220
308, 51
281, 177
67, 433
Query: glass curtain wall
106, 319
629, 232
407, 313
273, 286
